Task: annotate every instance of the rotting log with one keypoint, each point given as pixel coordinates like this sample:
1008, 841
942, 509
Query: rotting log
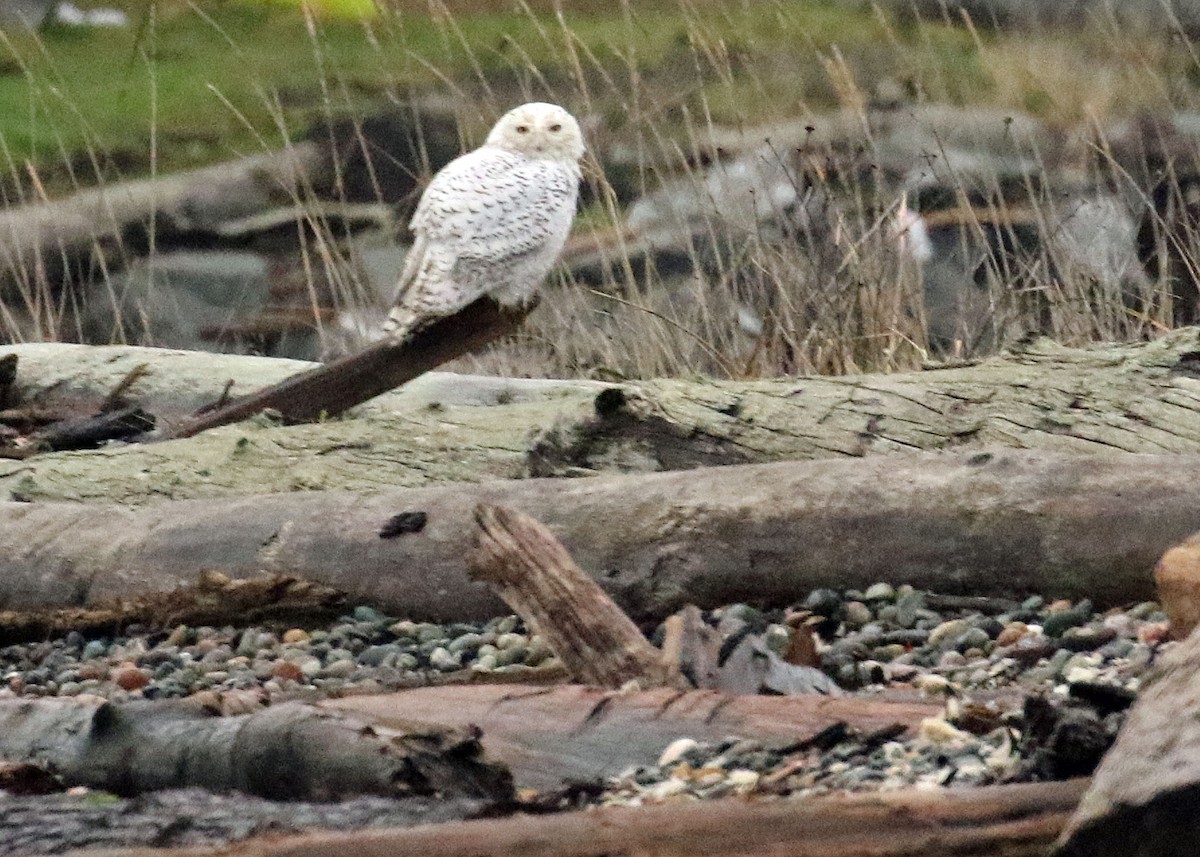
292, 750
443, 428
1000, 821
332, 389
531, 570
572, 733
993, 523
1142, 800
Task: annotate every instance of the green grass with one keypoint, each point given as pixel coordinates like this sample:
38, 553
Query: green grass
217, 79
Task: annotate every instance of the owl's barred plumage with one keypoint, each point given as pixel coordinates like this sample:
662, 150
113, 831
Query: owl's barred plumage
493, 221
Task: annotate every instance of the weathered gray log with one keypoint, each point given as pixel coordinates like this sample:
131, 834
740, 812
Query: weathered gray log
51, 824
549, 736
214, 600
292, 750
41, 241
1001, 523
1001, 821
1103, 400
529, 568
1142, 800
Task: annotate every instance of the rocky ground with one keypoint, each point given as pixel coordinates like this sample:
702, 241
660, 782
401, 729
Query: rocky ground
1034, 689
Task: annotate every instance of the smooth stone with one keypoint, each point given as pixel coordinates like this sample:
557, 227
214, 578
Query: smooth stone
487, 663
94, 649
465, 642
510, 656
676, 750
952, 659
403, 628
973, 638
441, 659
509, 640
339, 669
857, 614
1012, 632
823, 602
948, 631
363, 613
428, 632
880, 592
374, 656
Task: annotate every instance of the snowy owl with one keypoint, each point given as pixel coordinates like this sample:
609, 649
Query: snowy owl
492, 221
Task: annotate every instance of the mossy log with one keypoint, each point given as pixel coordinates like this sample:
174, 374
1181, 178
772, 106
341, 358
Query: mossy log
1006, 522
447, 428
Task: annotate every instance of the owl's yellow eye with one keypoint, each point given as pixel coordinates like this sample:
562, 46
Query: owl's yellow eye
555, 128
522, 129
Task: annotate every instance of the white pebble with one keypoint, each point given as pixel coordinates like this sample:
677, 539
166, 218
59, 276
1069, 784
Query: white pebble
675, 751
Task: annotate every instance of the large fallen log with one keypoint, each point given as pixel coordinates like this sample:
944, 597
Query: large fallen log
1102, 400
549, 736
1003, 821
1143, 796
1001, 523
293, 750
42, 242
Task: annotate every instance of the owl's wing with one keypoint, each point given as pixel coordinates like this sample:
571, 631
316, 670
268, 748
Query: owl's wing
482, 211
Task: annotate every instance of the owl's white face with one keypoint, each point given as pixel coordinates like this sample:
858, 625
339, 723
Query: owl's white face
539, 130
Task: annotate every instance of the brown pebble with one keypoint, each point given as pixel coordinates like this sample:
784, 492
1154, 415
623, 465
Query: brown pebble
295, 635
16, 684
93, 671
1178, 578
1012, 633
1062, 605
129, 677
287, 670
1153, 633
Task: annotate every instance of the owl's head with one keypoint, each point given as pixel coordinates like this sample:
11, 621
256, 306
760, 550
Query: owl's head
539, 130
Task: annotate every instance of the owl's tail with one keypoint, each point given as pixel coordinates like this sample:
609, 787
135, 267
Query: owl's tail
400, 322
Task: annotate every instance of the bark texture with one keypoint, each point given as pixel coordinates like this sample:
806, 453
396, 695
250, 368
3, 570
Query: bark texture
548, 736
331, 390
292, 750
1002, 523
1102, 400
999, 821
1142, 800
531, 570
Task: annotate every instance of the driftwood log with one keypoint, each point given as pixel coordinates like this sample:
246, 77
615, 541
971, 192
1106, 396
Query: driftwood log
214, 600
332, 389
1102, 400
42, 242
1142, 800
1004, 821
1001, 523
292, 750
529, 568
572, 733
